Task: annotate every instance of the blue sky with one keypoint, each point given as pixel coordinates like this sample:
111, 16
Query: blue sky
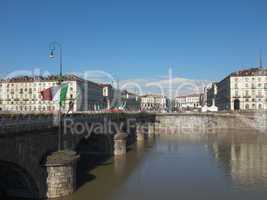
204, 39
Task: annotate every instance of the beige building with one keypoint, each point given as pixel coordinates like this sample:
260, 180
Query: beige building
154, 102
187, 102
243, 90
23, 94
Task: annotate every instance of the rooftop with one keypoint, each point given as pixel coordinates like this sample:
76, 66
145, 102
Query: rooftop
105, 85
51, 78
190, 95
125, 92
258, 71
153, 95
69, 77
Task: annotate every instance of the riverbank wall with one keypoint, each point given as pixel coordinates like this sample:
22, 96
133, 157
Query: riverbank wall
210, 123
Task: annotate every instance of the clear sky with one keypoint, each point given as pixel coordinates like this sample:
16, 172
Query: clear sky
199, 39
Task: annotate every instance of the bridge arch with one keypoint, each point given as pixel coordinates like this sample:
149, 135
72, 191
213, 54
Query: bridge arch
16, 182
96, 143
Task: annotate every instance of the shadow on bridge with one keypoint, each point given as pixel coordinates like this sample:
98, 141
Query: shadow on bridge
15, 181
93, 152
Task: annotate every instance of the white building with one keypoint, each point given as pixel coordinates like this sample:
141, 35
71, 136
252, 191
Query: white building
23, 94
155, 103
187, 102
243, 90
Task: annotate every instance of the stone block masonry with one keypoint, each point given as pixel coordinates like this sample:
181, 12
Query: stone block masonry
61, 174
211, 123
120, 144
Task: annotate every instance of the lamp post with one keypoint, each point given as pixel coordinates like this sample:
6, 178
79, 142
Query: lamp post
52, 49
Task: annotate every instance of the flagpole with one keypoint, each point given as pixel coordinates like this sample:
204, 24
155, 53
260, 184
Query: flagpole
52, 48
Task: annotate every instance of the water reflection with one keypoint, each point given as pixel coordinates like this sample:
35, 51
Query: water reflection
140, 148
119, 164
244, 158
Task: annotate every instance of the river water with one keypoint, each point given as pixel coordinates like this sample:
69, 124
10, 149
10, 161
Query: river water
222, 166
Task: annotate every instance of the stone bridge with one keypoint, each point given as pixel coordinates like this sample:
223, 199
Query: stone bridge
31, 166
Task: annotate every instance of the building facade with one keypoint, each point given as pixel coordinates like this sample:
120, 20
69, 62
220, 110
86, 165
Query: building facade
243, 90
187, 102
23, 94
211, 94
108, 94
130, 101
154, 103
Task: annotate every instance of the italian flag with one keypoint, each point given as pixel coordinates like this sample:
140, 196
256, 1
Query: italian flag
55, 93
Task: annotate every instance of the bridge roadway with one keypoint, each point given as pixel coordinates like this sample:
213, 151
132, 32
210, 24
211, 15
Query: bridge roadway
30, 165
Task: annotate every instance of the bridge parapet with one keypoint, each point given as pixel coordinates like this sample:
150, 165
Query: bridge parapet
17, 123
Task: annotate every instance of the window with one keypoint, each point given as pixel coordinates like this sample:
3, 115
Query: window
247, 106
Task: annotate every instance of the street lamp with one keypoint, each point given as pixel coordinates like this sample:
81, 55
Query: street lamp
52, 49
